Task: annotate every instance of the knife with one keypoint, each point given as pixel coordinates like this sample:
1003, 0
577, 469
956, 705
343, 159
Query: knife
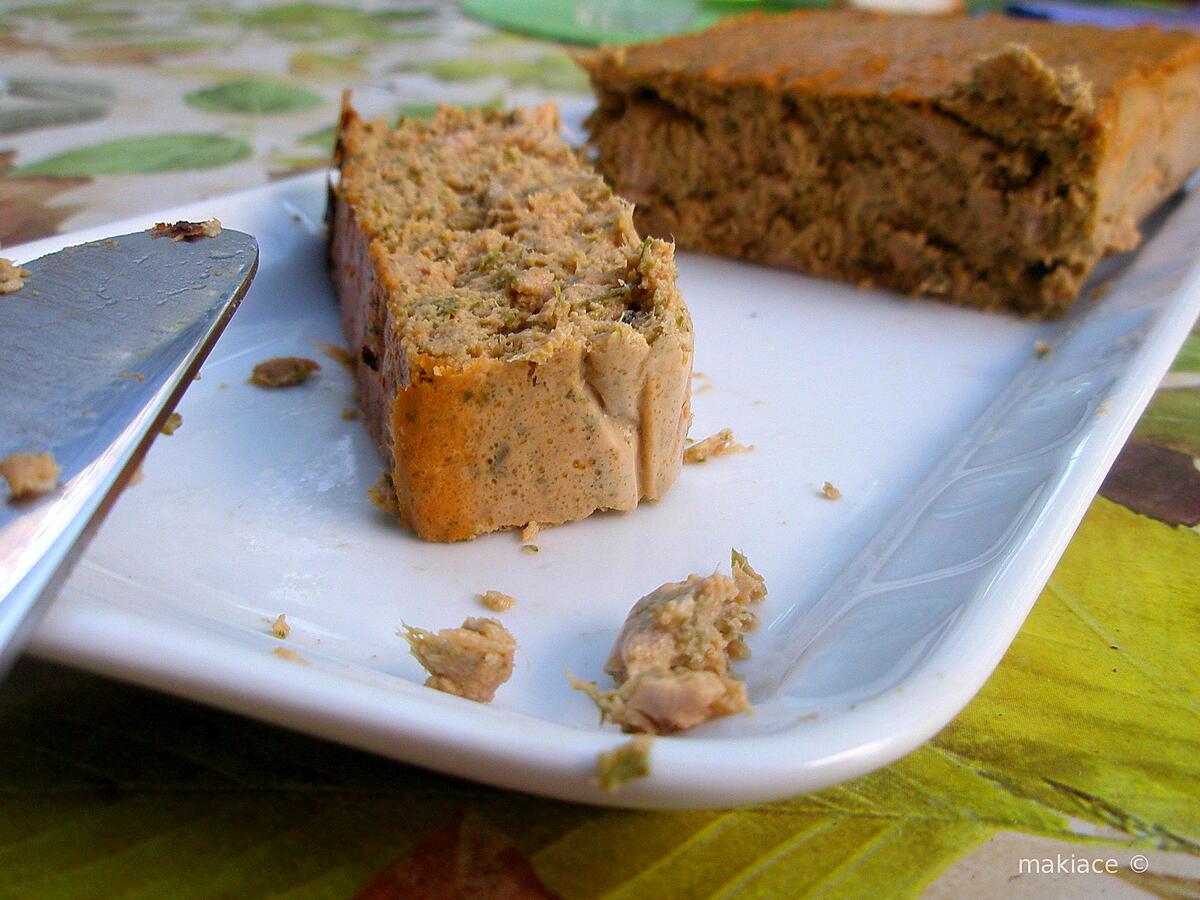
96, 348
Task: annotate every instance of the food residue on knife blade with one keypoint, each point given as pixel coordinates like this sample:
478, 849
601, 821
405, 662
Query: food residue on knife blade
30, 474
12, 276
169, 427
186, 231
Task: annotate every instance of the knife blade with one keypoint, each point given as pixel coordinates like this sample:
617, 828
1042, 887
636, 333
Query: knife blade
96, 348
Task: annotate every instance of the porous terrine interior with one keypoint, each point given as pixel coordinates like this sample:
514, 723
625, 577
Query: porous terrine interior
477, 256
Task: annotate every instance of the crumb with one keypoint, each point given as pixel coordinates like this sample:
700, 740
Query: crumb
530, 532
497, 602
280, 627
196, 377
289, 654
283, 371
1102, 410
829, 492
1041, 348
30, 474
132, 376
625, 763
383, 494
671, 661
349, 413
471, 661
186, 231
719, 444
530, 548
12, 276
169, 427
338, 354
1101, 289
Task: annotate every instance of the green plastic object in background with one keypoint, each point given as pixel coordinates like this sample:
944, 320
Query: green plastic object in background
612, 21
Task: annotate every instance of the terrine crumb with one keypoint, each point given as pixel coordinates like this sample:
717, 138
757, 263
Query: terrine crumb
289, 654
12, 276
1041, 348
471, 661
530, 533
671, 661
625, 763
719, 444
284, 371
496, 601
383, 494
982, 160
829, 492
30, 474
280, 627
169, 427
186, 231
337, 353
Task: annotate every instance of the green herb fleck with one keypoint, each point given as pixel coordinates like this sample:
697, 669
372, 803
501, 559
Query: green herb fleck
626, 763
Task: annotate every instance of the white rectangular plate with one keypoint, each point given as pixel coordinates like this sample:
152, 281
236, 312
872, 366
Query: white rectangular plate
965, 462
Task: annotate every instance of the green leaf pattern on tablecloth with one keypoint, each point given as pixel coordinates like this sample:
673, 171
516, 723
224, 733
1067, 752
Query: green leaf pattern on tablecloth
254, 97
551, 71
1171, 420
43, 103
307, 22
142, 155
1188, 359
339, 67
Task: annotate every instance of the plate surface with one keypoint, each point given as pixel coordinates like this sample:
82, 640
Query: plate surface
964, 459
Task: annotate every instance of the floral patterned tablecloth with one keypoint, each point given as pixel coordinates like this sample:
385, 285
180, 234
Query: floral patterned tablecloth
1082, 751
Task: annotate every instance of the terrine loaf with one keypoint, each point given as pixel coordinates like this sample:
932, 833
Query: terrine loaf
987, 161
522, 354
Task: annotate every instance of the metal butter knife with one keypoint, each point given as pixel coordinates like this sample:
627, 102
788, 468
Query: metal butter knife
95, 350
